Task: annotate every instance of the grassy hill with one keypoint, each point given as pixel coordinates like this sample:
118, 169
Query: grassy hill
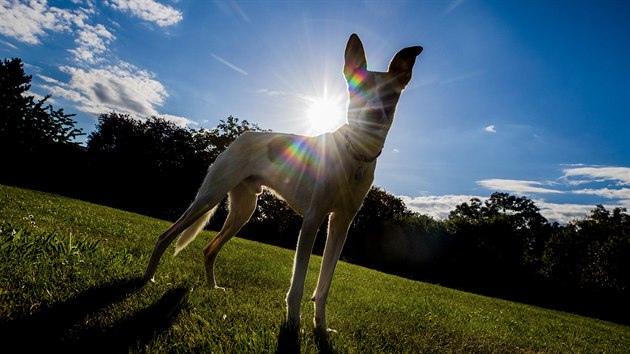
68, 272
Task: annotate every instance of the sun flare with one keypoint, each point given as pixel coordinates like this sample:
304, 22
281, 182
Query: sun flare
325, 114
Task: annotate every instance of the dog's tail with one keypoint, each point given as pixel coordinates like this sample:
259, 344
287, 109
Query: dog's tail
193, 230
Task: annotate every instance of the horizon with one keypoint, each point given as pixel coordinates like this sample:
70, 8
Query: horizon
531, 99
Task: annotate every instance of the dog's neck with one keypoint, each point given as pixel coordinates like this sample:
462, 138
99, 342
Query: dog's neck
356, 147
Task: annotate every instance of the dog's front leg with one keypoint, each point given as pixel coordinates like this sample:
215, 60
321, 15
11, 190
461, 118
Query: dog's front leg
337, 231
306, 239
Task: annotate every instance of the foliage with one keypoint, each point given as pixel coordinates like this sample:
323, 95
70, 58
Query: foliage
502, 236
379, 206
216, 140
28, 124
592, 253
154, 166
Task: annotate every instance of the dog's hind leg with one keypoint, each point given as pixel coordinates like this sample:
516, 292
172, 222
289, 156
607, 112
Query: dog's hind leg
242, 203
195, 218
338, 226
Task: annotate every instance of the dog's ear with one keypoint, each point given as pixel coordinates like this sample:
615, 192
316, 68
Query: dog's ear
402, 63
355, 57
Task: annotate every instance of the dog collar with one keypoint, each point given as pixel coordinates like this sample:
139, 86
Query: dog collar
356, 154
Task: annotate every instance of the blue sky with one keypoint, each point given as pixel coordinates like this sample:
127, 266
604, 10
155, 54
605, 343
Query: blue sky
526, 97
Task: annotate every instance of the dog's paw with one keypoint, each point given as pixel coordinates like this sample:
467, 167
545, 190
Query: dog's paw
325, 330
216, 287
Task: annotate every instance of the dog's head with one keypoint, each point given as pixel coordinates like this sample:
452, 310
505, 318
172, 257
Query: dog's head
374, 95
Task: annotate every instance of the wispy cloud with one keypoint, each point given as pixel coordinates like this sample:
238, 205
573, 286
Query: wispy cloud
623, 193
229, 65
149, 10
490, 129
463, 77
230, 8
452, 6
286, 94
588, 174
516, 186
10, 45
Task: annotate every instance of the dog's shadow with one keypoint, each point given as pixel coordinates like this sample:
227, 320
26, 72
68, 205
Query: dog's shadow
59, 327
289, 340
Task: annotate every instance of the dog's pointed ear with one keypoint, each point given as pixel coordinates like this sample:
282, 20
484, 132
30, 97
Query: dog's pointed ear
402, 63
355, 57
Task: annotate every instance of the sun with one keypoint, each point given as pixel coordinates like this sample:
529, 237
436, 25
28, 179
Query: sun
325, 114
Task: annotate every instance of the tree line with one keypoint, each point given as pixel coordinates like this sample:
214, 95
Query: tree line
502, 246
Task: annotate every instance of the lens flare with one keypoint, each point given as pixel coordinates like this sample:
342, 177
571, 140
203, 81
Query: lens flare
325, 114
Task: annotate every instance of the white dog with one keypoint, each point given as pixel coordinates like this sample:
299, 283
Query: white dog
329, 174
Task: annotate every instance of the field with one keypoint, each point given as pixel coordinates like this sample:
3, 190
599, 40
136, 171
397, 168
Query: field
68, 280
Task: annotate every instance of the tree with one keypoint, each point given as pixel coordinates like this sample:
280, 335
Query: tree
216, 140
36, 140
154, 166
27, 124
379, 211
502, 238
378, 207
592, 253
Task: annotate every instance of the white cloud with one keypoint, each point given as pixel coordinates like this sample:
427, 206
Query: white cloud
149, 10
95, 86
563, 213
92, 42
490, 129
619, 175
623, 193
181, 121
64, 91
516, 186
29, 21
439, 207
122, 87
47, 79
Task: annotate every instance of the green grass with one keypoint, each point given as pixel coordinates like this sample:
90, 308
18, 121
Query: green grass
67, 271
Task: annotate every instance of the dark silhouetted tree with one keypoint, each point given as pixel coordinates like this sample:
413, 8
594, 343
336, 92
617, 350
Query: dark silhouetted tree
151, 166
592, 253
500, 239
154, 166
37, 142
27, 124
